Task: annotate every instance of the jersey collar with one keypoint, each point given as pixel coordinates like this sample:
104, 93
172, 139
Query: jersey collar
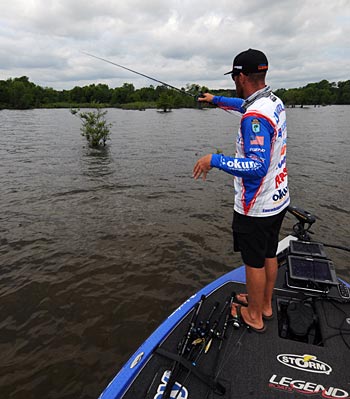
265, 92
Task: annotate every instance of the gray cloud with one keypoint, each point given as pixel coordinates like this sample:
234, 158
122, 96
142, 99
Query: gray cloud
176, 41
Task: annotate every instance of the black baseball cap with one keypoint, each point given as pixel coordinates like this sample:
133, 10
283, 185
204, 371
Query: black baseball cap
249, 61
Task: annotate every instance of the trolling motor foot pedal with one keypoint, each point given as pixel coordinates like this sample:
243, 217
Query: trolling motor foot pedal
300, 317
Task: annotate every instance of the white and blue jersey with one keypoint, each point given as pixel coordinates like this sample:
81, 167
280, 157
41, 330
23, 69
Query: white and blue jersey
259, 166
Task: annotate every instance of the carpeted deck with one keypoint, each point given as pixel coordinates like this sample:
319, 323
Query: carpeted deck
254, 366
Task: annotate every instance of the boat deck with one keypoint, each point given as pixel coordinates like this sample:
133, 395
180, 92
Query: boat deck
251, 365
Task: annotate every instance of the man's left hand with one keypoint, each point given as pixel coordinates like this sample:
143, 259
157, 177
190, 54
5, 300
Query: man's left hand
202, 167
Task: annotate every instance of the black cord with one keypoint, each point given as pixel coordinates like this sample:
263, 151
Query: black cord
337, 247
333, 336
303, 233
340, 329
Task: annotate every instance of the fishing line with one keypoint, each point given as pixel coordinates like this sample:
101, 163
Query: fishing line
238, 344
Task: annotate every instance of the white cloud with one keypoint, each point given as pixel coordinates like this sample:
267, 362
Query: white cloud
175, 41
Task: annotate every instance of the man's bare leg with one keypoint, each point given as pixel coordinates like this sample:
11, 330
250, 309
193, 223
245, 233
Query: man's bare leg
256, 286
271, 269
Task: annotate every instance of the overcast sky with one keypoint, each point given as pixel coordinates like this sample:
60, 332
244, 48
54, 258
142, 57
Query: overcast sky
176, 41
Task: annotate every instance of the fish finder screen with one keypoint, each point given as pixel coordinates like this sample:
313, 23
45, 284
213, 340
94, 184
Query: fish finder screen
317, 270
307, 248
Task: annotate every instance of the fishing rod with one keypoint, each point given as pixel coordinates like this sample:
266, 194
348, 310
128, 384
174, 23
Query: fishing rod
203, 326
141, 74
213, 333
222, 337
201, 331
155, 80
227, 318
225, 358
182, 350
206, 344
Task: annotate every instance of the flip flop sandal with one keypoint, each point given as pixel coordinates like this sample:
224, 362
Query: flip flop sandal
245, 304
243, 322
239, 301
267, 318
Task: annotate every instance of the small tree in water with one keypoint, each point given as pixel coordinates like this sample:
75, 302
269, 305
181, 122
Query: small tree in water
95, 127
165, 102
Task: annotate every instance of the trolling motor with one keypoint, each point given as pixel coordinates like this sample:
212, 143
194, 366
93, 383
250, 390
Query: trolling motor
305, 221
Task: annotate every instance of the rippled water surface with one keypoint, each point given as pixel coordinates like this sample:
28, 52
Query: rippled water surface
98, 247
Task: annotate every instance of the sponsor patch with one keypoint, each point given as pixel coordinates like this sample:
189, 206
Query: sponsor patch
280, 194
283, 150
283, 161
178, 391
305, 363
280, 177
257, 149
241, 165
256, 125
257, 140
308, 388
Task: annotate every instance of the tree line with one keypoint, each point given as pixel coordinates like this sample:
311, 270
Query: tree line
321, 93
20, 93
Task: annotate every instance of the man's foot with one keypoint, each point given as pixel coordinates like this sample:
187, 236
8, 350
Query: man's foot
242, 299
242, 314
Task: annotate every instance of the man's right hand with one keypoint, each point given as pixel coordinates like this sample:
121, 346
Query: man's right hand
207, 97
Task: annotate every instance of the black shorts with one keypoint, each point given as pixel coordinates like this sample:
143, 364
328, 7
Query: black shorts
256, 237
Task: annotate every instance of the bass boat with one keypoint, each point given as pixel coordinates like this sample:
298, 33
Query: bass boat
201, 352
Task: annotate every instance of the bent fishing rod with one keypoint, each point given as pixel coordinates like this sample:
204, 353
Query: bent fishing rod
154, 79
141, 74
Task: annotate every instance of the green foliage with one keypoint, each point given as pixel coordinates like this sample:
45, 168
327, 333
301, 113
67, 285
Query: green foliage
95, 127
321, 93
139, 105
165, 101
20, 93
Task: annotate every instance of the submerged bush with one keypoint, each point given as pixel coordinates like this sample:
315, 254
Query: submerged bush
95, 128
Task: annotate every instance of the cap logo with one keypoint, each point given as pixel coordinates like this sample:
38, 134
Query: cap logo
262, 67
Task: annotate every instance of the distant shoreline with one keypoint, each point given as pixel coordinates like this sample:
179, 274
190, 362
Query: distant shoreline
20, 93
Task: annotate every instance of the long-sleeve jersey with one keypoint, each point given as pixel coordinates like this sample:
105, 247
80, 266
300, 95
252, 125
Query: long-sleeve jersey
259, 166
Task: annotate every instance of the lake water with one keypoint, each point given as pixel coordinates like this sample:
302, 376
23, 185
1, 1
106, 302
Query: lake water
98, 247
